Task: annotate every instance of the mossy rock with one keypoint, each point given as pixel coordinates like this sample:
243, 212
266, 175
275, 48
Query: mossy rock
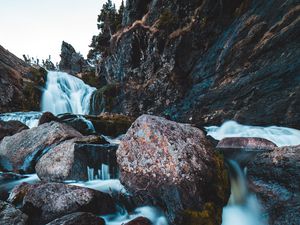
103, 100
32, 97
111, 124
167, 21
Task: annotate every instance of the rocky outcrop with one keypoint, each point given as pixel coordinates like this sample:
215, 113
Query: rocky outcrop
9, 215
20, 152
139, 221
275, 179
173, 165
78, 218
46, 202
207, 61
20, 84
71, 62
70, 159
10, 128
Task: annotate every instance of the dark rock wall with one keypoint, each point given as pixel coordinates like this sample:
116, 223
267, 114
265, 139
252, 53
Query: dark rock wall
208, 61
20, 84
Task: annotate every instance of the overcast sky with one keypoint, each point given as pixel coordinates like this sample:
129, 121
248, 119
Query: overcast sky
38, 27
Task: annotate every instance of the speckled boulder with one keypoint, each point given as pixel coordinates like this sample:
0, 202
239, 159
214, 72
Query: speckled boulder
173, 165
48, 201
78, 218
20, 152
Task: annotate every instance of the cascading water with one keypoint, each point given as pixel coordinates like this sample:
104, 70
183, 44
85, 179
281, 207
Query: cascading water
65, 93
30, 119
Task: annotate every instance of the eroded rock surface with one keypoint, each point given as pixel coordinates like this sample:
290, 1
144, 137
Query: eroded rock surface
20, 152
9, 215
10, 128
78, 218
172, 165
48, 201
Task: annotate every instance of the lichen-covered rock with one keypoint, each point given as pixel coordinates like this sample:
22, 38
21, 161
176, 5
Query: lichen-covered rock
78, 218
48, 201
20, 152
10, 128
174, 166
9, 215
70, 159
275, 179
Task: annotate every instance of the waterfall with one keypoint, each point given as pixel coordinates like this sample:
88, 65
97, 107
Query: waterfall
243, 207
65, 93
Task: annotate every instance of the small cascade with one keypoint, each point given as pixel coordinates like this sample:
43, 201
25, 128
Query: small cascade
30, 119
281, 136
243, 207
65, 93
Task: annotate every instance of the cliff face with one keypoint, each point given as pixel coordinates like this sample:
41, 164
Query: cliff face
20, 84
207, 61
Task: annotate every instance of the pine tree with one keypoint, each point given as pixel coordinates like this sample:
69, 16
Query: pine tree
108, 22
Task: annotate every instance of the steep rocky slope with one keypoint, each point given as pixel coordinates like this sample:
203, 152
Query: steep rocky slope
206, 61
20, 84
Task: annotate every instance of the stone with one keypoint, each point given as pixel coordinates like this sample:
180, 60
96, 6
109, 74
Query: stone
78, 122
20, 152
78, 218
47, 117
9, 215
244, 149
17, 194
274, 177
48, 201
70, 159
10, 128
139, 221
172, 165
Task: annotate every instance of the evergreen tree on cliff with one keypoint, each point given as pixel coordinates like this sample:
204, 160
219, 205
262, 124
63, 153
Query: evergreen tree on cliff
108, 22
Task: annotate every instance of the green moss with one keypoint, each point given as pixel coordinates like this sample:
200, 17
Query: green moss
32, 96
91, 79
210, 215
242, 8
167, 20
38, 75
103, 100
203, 22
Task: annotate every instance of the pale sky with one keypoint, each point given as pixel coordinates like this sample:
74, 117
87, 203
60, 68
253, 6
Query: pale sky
38, 27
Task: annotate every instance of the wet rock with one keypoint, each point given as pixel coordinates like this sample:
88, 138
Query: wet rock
9, 215
174, 166
18, 192
20, 152
79, 218
111, 124
47, 117
10, 128
244, 149
274, 177
70, 160
139, 221
48, 201
78, 122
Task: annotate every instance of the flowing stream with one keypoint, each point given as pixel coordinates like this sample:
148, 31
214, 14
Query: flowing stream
67, 94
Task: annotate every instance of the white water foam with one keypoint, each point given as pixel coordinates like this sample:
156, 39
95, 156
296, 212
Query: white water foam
281, 136
65, 93
30, 119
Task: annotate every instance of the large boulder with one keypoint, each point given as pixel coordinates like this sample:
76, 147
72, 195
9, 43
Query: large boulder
78, 218
10, 128
48, 201
70, 159
274, 177
21, 151
9, 215
175, 166
139, 221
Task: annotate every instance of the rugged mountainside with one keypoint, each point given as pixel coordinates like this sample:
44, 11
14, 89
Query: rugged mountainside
20, 84
204, 61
